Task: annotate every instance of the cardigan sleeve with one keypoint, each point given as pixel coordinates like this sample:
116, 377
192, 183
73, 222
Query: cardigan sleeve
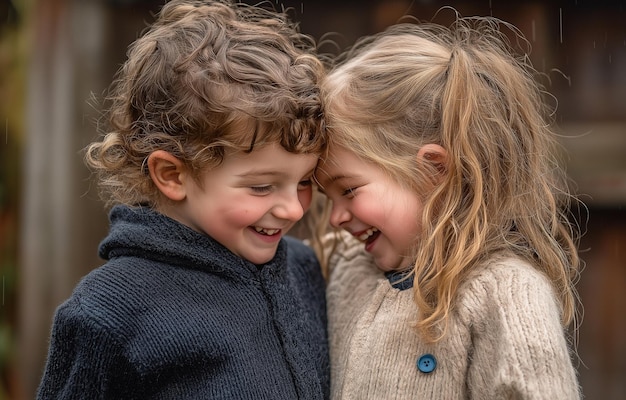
519, 349
84, 360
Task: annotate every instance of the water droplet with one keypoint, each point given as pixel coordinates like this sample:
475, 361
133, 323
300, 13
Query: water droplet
561, 23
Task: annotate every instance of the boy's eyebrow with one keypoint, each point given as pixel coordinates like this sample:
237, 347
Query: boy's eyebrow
269, 172
260, 173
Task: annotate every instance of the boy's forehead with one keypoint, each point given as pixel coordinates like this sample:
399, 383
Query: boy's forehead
270, 162
244, 128
252, 134
249, 133
266, 153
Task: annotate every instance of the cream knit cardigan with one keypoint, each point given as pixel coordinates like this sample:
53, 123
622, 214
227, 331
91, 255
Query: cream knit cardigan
504, 341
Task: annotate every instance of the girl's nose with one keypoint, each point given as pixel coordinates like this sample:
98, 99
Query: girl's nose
338, 216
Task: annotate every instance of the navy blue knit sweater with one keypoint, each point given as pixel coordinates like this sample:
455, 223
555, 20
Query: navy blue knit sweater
175, 315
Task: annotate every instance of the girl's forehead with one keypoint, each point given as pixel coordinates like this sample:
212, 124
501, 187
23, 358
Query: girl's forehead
339, 163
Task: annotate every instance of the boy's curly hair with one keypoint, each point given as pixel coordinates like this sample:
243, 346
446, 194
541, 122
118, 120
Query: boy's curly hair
206, 77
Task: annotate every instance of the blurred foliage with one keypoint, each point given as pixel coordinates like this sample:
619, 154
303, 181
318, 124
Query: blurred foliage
13, 39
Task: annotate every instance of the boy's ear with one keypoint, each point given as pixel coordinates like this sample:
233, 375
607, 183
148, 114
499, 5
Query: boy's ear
165, 171
434, 154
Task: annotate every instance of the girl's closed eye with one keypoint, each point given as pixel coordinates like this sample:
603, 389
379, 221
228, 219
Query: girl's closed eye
349, 192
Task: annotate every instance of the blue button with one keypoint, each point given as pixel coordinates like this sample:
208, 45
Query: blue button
427, 363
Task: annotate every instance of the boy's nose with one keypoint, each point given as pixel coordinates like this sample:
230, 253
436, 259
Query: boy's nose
290, 208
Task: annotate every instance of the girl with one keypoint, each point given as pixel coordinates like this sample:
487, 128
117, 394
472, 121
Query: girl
454, 276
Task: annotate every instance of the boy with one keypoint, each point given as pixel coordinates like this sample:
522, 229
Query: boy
215, 130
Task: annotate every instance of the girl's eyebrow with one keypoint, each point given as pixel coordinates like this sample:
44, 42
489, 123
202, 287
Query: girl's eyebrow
331, 180
335, 178
338, 178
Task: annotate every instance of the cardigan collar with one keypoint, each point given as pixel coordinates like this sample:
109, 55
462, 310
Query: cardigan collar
401, 280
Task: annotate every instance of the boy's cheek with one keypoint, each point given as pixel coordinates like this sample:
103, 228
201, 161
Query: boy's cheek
305, 198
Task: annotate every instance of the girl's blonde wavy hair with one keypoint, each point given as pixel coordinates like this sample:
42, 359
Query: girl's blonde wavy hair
207, 77
461, 87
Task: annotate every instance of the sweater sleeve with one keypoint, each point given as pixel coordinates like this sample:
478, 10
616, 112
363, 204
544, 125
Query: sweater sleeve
84, 360
520, 349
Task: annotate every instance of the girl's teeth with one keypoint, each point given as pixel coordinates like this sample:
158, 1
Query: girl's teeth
363, 237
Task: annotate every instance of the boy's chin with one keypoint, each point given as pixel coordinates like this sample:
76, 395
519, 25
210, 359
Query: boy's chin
262, 258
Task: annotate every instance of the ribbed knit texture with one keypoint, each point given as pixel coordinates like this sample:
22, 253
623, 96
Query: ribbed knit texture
504, 341
175, 315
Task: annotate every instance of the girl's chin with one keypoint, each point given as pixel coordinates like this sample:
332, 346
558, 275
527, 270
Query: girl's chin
386, 267
392, 265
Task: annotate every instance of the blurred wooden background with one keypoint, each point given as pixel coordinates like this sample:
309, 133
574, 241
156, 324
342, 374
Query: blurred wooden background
55, 53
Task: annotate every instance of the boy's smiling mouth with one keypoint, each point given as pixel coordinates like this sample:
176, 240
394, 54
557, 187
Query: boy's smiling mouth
266, 231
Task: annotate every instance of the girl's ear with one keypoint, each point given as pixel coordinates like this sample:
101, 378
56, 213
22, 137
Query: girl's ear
165, 171
434, 154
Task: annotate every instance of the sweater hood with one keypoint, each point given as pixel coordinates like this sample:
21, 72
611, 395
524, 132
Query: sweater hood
143, 232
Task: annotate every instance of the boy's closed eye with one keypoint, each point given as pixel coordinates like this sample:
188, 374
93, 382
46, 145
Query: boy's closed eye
264, 189
305, 184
